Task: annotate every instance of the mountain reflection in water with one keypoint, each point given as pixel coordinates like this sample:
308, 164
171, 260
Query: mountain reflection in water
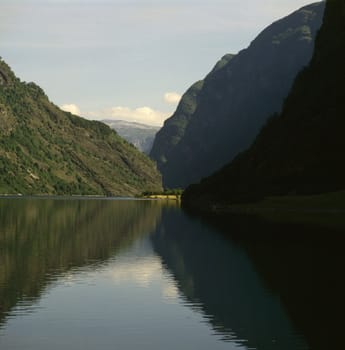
270, 285
41, 239
122, 273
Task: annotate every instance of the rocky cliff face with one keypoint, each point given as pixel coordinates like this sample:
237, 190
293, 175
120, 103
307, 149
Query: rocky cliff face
44, 150
300, 151
174, 128
221, 115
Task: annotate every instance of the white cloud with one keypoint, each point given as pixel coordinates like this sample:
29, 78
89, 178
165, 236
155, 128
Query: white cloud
72, 108
172, 97
144, 115
142, 271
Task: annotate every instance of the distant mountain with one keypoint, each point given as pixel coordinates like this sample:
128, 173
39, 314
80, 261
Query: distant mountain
300, 151
44, 150
220, 116
140, 135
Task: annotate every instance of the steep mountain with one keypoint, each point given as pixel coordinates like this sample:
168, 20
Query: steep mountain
174, 128
140, 135
300, 151
221, 115
44, 150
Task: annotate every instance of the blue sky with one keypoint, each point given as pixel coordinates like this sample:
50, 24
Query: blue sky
127, 59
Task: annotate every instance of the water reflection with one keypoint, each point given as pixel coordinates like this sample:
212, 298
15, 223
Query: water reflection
41, 239
264, 285
128, 274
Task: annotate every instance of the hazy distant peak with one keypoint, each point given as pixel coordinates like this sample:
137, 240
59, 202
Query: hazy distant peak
125, 123
138, 134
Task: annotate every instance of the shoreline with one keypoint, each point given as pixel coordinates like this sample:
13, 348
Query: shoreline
163, 197
257, 210
326, 209
317, 203
55, 196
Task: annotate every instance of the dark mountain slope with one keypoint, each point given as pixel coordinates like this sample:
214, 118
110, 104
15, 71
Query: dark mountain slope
44, 150
175, 127
235, 100
301, 151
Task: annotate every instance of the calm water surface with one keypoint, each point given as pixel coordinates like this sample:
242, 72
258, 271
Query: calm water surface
125, 274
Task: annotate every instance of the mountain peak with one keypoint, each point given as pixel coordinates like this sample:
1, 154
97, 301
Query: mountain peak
220, 116
299, 151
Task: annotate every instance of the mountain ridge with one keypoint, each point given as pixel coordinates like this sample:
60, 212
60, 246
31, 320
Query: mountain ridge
44, 150
235, 99
299, 151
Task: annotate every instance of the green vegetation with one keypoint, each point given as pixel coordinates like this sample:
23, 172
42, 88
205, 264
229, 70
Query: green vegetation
300, 151
44, 150
174, 194
221, 115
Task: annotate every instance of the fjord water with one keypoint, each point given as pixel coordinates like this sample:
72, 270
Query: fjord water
129, 274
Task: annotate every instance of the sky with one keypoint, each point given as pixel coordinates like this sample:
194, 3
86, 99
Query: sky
127, 59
